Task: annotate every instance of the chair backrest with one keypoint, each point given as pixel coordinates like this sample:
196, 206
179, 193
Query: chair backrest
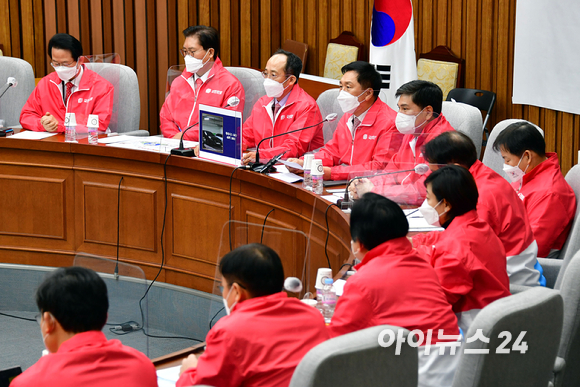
572, 245
102, 58
441, 67
493, 159
13, 101
481, 99
342, 50
570, 339
357, 359
298, 48
253, 83
126, 104
465, 119
327, 103
530, 358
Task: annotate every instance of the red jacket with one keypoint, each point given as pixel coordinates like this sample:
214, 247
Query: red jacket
259, 344
469, 260
372, 147
181, 107
550, 203
408, 187
299, 111
505, 213
381, 293
87, 359
93, 96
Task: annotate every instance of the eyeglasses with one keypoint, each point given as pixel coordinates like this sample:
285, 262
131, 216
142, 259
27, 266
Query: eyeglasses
185, 52
69, 64
38, 318
272, 76
221, 288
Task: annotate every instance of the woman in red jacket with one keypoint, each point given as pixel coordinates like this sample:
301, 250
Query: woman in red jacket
468, 257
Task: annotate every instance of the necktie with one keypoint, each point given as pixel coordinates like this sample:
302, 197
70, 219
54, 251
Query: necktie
69, 86
276, 108
198, 83
355, 123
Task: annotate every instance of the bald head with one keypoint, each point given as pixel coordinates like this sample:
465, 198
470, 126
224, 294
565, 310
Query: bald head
451, 148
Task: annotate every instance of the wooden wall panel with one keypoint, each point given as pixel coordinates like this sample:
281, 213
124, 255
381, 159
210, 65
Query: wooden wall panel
147, 36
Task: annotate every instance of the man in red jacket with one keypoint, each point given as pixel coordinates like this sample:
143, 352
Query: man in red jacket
284, 108
498, 205
73, 306
394, 285
365, 138
204, 81
419, 120
265, 334
72, 88
536, 176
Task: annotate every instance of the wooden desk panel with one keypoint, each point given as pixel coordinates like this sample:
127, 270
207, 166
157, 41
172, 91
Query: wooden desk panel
61, 199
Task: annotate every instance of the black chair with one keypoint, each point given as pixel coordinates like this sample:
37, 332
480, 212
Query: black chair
481, 99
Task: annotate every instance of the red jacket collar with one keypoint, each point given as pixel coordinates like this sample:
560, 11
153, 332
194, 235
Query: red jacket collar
551, 163
260, 302
83, 339
373, 111
461, 220
87, 81
394, 247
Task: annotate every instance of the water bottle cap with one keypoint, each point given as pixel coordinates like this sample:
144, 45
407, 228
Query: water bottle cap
328, 281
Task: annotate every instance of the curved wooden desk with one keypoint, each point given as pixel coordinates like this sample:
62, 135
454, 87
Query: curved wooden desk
60, 199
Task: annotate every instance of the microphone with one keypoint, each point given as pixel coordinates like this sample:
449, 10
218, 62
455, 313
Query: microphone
233, 101
181, 151
10, 82
329, 118
419, 169
293, 284
268, 167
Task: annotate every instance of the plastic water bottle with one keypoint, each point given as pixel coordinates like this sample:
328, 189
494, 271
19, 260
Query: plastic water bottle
70, 124
93, 129
307, 182
317, 173
327, 301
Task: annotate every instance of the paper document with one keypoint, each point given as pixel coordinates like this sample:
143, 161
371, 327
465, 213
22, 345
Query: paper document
113, 139
287, 177
336, 190
332, 198
151, 143
292, 165
32, 135
168, 377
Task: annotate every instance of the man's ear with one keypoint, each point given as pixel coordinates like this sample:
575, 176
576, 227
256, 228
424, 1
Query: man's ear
49, 322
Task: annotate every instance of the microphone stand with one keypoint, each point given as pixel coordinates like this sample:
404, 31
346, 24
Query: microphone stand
346, 202
257, 165
181, 151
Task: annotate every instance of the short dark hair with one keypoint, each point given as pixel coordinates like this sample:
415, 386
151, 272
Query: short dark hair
256, 267
368, 76
76, 297
520, 137
456, 185
293, 63
208, 37
66, 42
423, 94
375, 219
450, 148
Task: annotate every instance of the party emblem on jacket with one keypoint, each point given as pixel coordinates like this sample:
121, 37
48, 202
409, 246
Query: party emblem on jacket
208, 91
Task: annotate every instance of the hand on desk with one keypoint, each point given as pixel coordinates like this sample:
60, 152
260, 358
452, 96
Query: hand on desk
294, 170
187, 363
359, 187
249, 157
196, 150
178, 135
49, 123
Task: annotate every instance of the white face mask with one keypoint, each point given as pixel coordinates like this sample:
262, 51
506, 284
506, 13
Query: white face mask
226, 307
348, 102
514, 174
406, 123
273, 88
430, 213
66, 73
352, 249
193, 65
